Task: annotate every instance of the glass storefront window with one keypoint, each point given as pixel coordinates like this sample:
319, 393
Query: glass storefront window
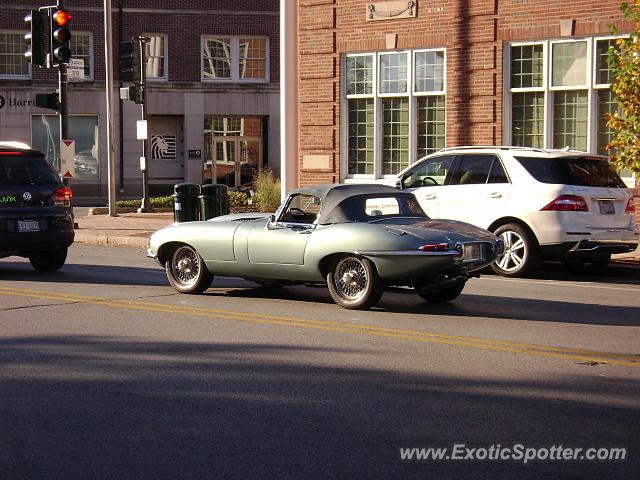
83, 129
233, 150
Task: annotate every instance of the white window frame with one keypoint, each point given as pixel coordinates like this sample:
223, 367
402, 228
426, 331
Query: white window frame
378, 97
165, 58
235, 59
548, 89
17, 77
91, 70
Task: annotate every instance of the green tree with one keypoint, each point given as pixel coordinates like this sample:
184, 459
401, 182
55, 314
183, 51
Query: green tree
624, 60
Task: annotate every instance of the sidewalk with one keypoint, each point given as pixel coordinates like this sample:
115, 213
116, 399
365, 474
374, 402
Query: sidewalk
133, 230
130, 229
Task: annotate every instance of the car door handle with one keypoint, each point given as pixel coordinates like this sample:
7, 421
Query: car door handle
430, 197
495, 195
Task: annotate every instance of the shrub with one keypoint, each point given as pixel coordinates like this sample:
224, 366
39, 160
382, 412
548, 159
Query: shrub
155, 202
267, 190
238, 199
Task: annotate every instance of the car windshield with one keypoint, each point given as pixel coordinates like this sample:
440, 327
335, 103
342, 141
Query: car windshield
18, 169
580, 171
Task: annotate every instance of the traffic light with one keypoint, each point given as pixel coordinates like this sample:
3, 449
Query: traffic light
35, 38
48, 100
130, 62
60, 37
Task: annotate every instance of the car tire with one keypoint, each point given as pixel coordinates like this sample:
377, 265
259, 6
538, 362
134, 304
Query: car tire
600, 264
442, 294
186, 271
354, 283
521, 255
49, 261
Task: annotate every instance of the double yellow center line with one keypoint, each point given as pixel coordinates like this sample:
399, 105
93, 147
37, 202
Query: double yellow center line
415, 335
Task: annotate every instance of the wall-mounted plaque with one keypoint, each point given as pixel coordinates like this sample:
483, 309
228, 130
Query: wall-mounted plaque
391, 10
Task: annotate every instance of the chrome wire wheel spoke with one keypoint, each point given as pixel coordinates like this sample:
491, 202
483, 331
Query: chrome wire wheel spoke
351, 278
185, 265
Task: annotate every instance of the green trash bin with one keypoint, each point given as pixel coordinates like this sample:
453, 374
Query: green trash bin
214, 201
185, 202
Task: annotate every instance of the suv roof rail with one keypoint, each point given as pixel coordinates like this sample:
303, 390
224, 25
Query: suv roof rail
493, 147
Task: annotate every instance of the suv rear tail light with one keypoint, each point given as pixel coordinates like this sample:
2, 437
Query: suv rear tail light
62, 197
568, 203
631, 207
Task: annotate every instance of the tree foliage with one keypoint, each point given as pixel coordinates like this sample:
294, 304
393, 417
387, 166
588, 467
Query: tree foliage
624, 60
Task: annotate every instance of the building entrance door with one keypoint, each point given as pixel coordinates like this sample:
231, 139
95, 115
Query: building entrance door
233, 160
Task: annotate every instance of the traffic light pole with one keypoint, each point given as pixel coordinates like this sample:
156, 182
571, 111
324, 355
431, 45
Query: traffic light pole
62, 97
145, 203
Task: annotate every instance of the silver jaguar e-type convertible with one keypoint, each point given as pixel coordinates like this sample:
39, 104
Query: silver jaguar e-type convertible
357, 239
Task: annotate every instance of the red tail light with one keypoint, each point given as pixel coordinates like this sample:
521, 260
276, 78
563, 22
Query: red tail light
436, 247
62, 197
568, 203
631, 207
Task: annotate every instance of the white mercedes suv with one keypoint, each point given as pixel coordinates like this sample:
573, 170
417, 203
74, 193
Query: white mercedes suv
544, 204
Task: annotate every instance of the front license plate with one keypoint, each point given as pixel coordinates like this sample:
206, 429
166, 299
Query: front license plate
472, 251
28, 226
607, 207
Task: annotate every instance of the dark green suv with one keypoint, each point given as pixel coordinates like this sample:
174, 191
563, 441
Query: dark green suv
36, 218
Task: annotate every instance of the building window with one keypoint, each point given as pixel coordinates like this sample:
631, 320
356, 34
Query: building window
394, 105
81, 48
235, 59
567, 110
83, 129
12, 61
155, 57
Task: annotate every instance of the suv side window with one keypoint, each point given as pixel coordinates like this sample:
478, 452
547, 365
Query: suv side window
497, 174
432, 171
473, 169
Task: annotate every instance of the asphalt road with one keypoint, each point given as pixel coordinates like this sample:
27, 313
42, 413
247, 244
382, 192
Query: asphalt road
106, 372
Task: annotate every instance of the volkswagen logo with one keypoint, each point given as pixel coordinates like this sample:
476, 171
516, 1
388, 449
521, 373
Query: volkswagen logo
26, 196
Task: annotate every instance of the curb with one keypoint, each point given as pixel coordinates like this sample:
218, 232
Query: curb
105, 210
116, 240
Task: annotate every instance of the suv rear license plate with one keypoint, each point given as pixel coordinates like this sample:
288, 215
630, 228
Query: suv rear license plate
607, 207
28, 226
472, 251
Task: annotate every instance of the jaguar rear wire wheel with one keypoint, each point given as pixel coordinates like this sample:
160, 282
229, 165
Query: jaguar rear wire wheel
354, 283
187, 272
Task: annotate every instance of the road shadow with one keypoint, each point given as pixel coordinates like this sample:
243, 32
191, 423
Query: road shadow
22, 271
115, 407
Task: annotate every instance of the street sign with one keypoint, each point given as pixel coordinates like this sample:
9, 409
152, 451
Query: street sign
75, 69
67, 158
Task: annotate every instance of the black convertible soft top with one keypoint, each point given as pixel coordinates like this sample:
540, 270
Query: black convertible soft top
346, 202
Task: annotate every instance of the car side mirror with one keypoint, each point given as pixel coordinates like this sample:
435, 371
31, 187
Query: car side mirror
400, 182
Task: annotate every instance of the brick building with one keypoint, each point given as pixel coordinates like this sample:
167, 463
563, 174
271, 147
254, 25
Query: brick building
213, 92
384, 83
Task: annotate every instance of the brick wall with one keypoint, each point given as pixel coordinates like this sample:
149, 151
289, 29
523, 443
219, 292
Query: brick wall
473, 34
184, 30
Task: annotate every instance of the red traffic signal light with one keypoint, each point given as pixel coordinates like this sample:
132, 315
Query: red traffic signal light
61, 17
60, 37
